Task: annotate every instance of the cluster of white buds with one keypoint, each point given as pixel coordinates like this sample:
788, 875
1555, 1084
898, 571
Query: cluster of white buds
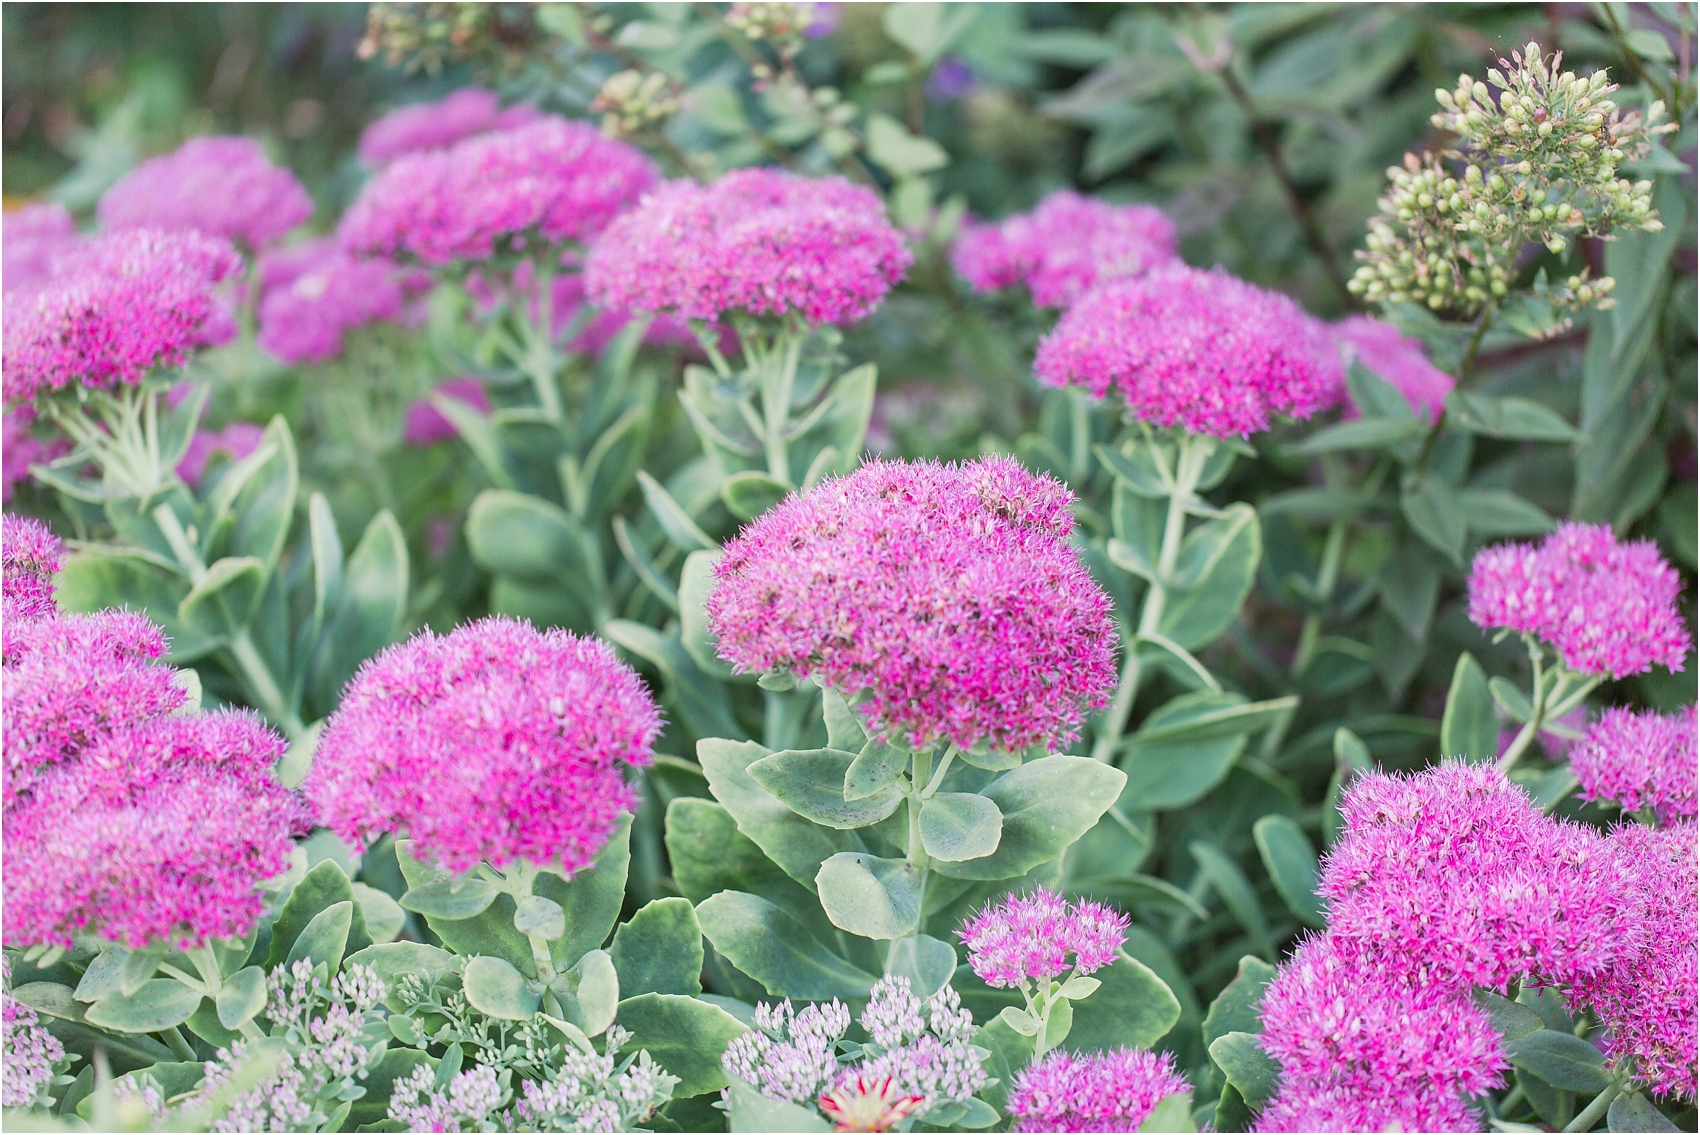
633, 104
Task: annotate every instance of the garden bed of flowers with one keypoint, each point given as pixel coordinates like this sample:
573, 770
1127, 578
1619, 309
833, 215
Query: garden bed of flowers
489, 646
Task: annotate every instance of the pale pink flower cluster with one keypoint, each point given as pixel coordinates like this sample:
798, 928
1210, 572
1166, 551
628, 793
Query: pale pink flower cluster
426, 425
493, 743
1040, 935
947, 596
32, 1055
1641, 760
313, 294
791, 1055
31, 239
1606, 607
1064, 248
551, 180
760, 241
1103, 1091
433, 125
1402, 362
235, 441
222, 186
115, 308
1197, 349
465, 1105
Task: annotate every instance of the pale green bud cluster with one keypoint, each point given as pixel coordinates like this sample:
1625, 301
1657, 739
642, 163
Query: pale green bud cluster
633, 104
779, 24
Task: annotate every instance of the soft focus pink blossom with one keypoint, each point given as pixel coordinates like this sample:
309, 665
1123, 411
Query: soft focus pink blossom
114, 309
1608, 608
1104, 1091
235, 441
495, 742
1199, 349
425, 423
30, 556
552, 180
1641, 760
313, 294
1065, 247
949, 594
222, 186
433, 125
20, 448
31, 239
761, 241
603, 327
1038, 936
1402, 362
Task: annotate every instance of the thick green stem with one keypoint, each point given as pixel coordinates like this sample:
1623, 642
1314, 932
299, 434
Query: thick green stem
1333, 551
1591, 1114
921, 773
180, 1048
939, 774
778, 383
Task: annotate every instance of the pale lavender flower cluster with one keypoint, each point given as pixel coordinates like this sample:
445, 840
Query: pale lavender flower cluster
589, 1091
550, 180
493, 743
31, 239
115, 308
1065, 247
760, 241
1606, 607
313, 294
1197, 349
470, 1098
1641, 760
1040, 935
789, 1056
222, 186
948, 596
433, 125
32, 1055
1402, 362
1103, 1091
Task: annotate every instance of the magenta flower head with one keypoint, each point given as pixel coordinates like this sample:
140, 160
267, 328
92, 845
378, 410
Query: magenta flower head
1641, 760
425, 424
760, 241
116, 308
433, 125
313, 294
549, 181
31, 556
1038, 936
493, 743
1606, 607
1106, 1091
1197, 349
1065, 247
31, 239
222, 186
946, 597
20, 448
1402, 362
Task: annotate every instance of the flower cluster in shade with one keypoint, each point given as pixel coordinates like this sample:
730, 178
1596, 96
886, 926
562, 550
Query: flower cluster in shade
492, 743
1102, 1091
31, 239
550, 180
434, 125
1606, 607
20, 448
313, 294
1402, 362
1040, 935
221, 186
1641, 759
947, 598
116, 307
30, 1056
234, 442
1064, 248
1198, 349
757, 241
30, 556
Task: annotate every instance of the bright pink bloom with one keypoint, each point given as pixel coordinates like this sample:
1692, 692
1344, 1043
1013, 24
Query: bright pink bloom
31, 239
20, 448
1641, 760
1105, 1091
1204, 350
1402, 362
116, 308
493, 743
426, 424
1065, 247
222, 186
550, 180
313, 294
235, 441
1606, 607
1039, 936
761, 241
30, 556
949, 593
433, 125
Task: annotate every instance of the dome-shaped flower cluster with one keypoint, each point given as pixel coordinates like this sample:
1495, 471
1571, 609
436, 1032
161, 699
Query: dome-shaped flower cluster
1608, 608
1641, 760
31, 239
1040, 935
493, 743
1197, 349
946, 596
761, 241
313, 294
433, 125
1104, 1091
222, 186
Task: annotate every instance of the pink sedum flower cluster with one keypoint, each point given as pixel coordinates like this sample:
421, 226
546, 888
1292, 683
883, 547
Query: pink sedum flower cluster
114, 309
31, 239
759, 241
1606, 607
30, 556
434, 125
1641, 760
1201, 350
551, 180
493, 743
947, 596
1104, 1091
20, 448
1040, 935
313, 294
1065, 247
1402, 362
234, 442
222, 186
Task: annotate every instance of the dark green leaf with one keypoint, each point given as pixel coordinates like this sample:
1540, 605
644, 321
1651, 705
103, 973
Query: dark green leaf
799, 846
709, 855
1469, 727
751, 493
775, 949
1236, 1007
1247, 1067
1633, 1111
325, 939
369, 609
675, 521
1179, 767
241, 997
592, 898
1364, 433
659, 950
528, 538
1213, 575
1434, 512
1500, 512
1132, 1006
1510, 1020
223, 603
1517, 418
1562, 1059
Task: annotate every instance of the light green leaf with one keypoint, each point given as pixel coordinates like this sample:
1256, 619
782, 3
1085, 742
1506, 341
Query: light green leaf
660, 950
926, 961
875, 768
497, 989
958, 826
797, 845
526, 537
451, 898
809, 782
1247, 1067
1213, 575
749, 1110
1236, 1007
1500, 512
696, 584
684, 1035
1517, 418
1469, 728
320, 889
598, 992
241, 997
1047, 804
384, 916
1173, 1114
1291, 862
775, 949
900, 152
675, 521
369, 607
157, 1004
1169, 765
751, 493
541, 916
1633, 1111
869, 896
325, 940
1435, 513
1133, 1006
